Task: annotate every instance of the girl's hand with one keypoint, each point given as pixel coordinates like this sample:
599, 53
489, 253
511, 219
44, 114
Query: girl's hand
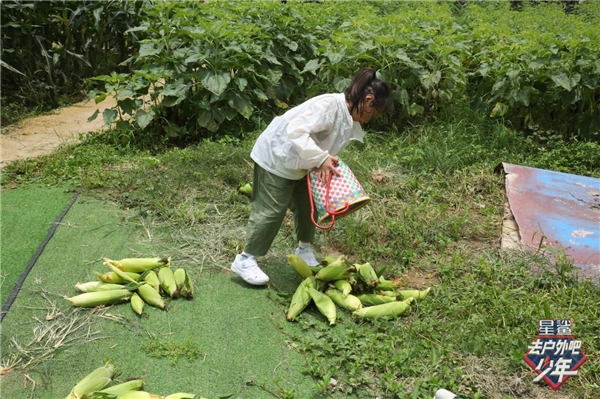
327, 167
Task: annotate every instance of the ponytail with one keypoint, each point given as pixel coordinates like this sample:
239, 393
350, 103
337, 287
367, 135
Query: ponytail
367, 82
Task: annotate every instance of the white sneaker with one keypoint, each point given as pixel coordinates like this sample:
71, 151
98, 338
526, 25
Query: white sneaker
248, 269
308, 256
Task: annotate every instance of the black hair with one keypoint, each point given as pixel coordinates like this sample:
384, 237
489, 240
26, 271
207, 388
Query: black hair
367, 82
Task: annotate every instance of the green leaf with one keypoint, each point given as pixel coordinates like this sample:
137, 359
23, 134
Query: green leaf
100, 98
563, 81
109, 115
10, 68
341, 84
240, 103
312, 66
93, 116
144, 118
499, 109
215, 83
240, 82
205, 119
260, 94
126, 93
335, 58
415, 109
430, 79
148, 49
127, 105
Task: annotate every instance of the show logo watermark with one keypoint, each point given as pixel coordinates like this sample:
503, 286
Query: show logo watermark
555, 355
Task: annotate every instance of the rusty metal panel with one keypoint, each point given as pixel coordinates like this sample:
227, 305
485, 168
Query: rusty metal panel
561, 209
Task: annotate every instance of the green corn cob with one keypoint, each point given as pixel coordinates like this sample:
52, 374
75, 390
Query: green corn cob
181, 395
386, 310
137, 303
121, 273
95, 286
114, 278
138, 395
349, 302
138, 265
300, 299
94, 381
344, 286
93, 299
299, 266
183, 283
335, 272
151, 278
150, 296
131, 385
374, 299
167, 281
386, 285
325, 304
416, 294
366, 274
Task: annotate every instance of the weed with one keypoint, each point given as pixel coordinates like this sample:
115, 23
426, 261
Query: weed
173, 350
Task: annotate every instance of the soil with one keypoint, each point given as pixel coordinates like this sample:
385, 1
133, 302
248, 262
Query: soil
41, 135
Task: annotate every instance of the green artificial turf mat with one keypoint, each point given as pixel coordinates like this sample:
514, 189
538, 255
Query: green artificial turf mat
232, 331
27, 217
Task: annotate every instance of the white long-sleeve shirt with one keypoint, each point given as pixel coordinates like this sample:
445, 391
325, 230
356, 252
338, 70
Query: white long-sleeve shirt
305, 136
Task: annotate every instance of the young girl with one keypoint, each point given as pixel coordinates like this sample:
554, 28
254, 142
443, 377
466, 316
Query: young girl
308, 135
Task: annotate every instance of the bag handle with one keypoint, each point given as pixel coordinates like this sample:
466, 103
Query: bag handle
312, 203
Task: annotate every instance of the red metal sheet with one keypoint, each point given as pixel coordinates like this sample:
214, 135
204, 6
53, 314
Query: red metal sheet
557, 210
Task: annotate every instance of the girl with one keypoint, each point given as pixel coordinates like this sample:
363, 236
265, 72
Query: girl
308, 135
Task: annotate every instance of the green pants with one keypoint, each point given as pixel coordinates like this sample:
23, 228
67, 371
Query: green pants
271, 197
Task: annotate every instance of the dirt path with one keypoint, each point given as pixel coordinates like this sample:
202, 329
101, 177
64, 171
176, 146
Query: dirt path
43, 134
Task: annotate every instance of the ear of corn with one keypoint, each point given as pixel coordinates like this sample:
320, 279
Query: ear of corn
151, 296
95, 286
344, 286
179, 277
114, 278
386, 285
183, 283
386, 310
187, 291
131, 385
335, 272
181, 395
324, 304
315, 269
366, 273
94, 381
391, 294
246, 189
137, 303
138, 395
151, 278
93, 299
121, 273
349, 302
167, 281
329, 261
374, 299
138, 265
299, 266
416, 294
301, 299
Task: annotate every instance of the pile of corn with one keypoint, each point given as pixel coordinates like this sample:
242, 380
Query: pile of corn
96, 386
140, 281
353, 287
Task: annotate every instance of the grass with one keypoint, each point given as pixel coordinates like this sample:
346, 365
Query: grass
26, 213
435, 220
